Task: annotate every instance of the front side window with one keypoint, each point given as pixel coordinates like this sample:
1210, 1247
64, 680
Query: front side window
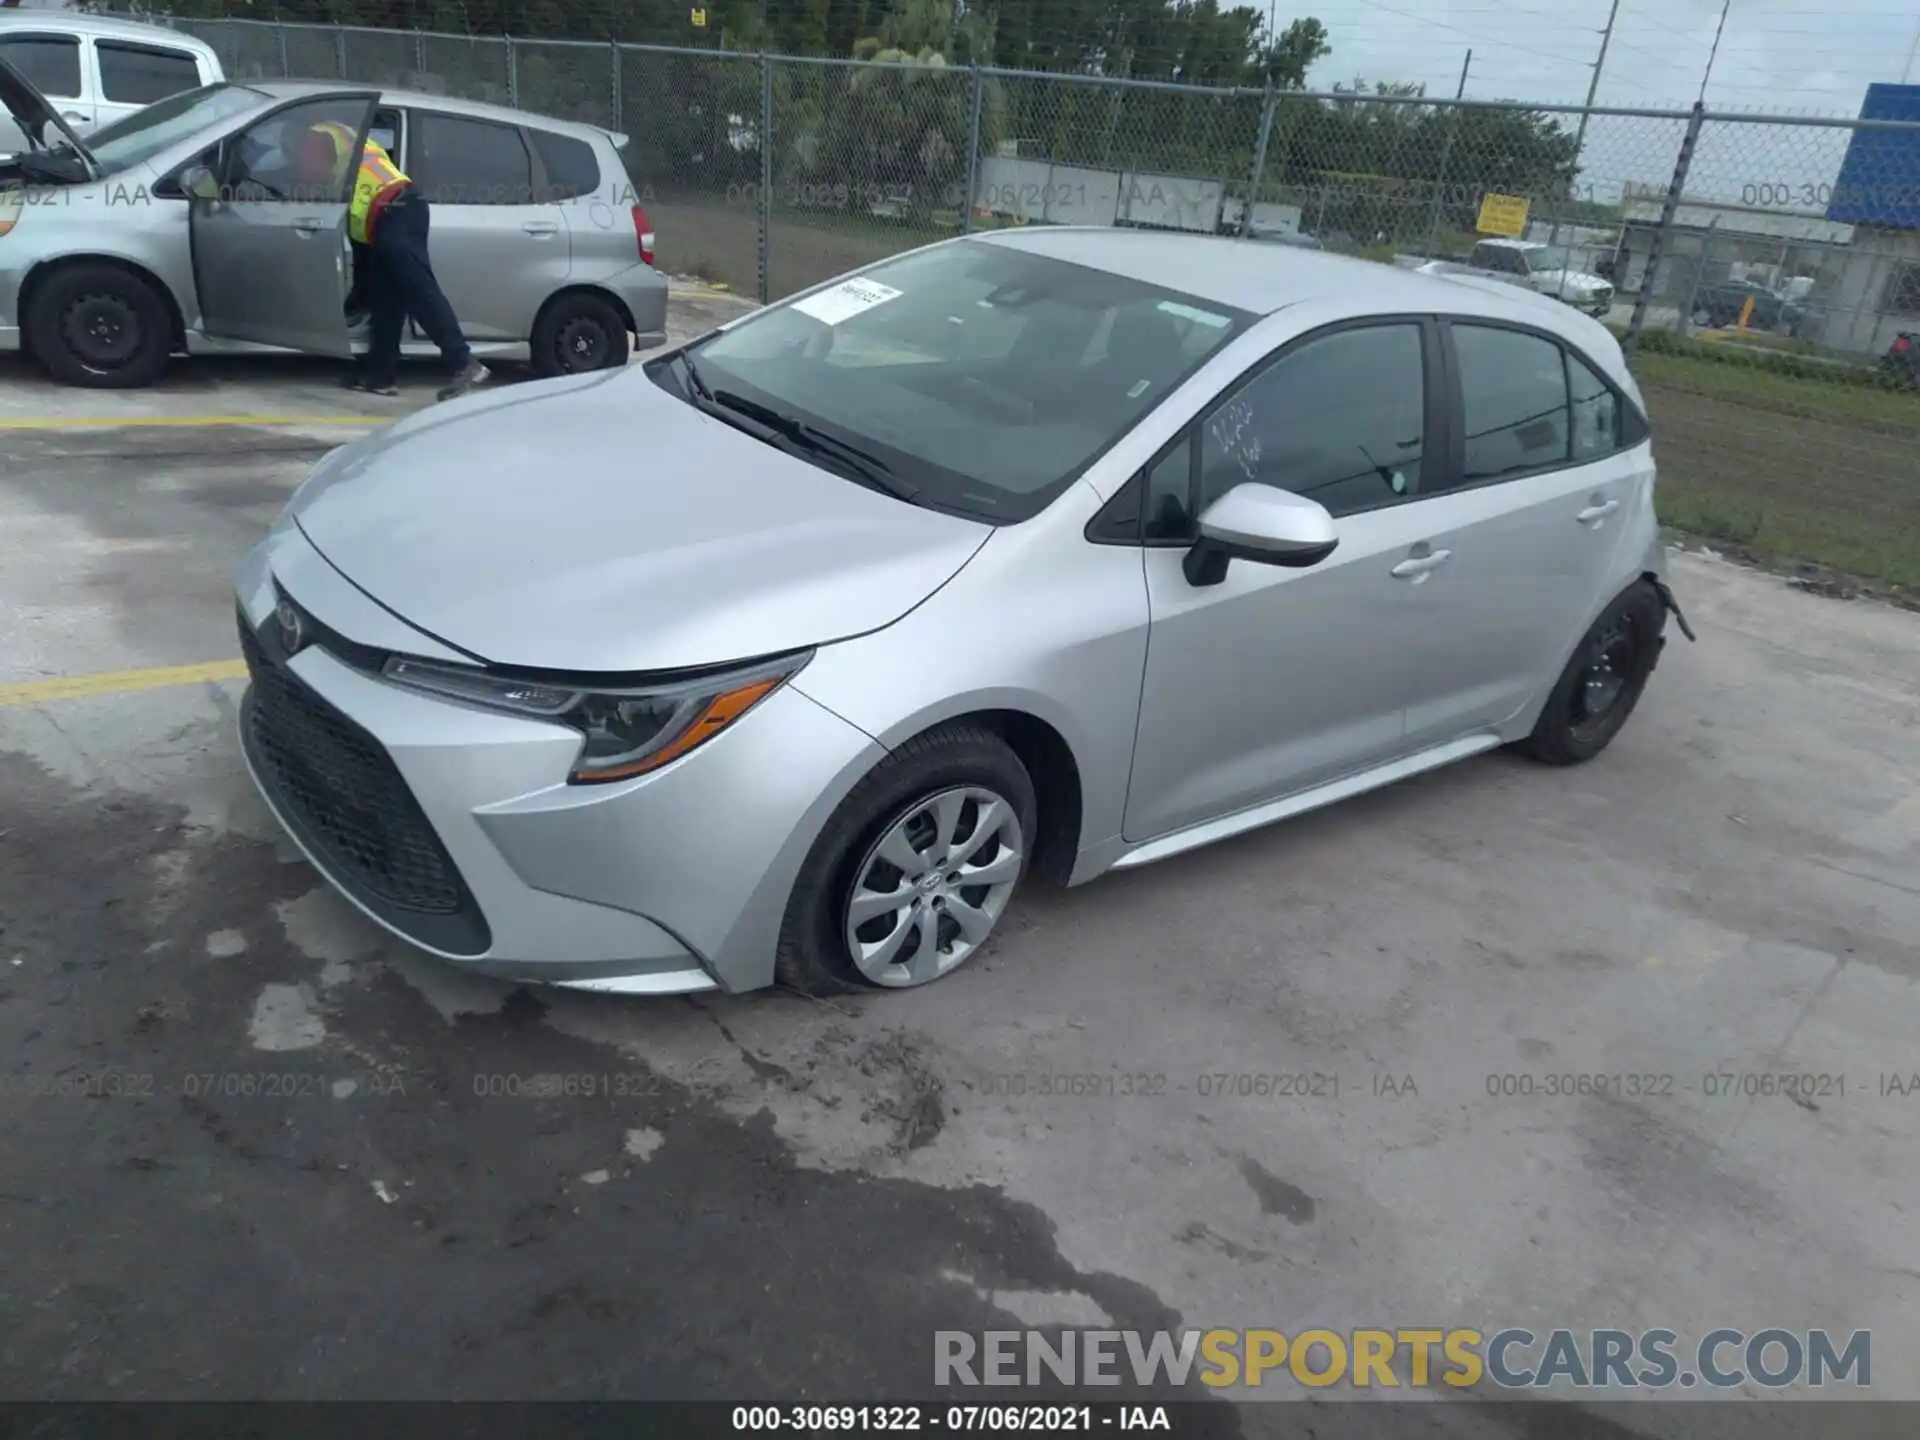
51, 64
142, 74
453, 160
987, 377
1341, 420
279, 160
1513, 391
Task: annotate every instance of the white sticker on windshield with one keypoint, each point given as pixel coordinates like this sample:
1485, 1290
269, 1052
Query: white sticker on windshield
846, 300
1199, 317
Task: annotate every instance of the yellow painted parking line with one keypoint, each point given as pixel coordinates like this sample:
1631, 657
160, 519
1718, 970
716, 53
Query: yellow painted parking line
185, 422
119, 682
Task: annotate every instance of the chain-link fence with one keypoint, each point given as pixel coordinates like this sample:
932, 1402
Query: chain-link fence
1763, 272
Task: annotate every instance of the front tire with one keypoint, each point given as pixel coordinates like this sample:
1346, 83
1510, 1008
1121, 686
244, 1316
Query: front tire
99, 327
1602, 682
915, 870
577, 334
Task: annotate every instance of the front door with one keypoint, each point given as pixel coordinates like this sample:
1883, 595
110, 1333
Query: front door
1534, 517
270, 254
497, 254
1276, 680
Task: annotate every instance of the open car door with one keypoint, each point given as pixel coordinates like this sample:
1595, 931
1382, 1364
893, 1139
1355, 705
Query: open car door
271, 259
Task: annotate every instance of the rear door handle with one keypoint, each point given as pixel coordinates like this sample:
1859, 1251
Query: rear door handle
1594, 514
1420, 566
541, 227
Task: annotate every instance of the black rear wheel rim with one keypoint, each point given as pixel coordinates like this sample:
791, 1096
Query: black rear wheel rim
582, 344
102, 330
1611, 662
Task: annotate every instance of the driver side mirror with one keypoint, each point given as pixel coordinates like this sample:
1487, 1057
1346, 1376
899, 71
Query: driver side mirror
197, 182
1262, 524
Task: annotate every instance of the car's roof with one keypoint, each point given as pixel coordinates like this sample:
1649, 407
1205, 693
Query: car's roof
105, 27
1252, 277
446, 104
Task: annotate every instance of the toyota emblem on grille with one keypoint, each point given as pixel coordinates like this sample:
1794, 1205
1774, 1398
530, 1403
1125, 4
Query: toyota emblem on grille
293, 632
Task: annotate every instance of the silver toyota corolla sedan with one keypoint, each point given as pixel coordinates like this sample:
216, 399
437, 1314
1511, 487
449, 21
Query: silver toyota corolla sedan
793, 654
186, 228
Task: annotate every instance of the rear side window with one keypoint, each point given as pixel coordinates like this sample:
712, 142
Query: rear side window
454, 160
572, 169
51, 63
142, 74
1513, 391
1598, 429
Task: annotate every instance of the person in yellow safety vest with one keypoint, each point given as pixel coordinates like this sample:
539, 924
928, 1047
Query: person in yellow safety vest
389, 217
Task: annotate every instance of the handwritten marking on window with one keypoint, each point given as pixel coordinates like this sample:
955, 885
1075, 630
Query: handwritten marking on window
1232, 430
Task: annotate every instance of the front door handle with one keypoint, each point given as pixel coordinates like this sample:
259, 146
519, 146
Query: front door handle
1594, 514
541, 227
306, 227
1418, 567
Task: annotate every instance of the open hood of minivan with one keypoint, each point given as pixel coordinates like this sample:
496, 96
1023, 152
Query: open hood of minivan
33, 112
598, 524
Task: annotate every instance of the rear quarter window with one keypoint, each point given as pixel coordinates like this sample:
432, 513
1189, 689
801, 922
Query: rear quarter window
572, 169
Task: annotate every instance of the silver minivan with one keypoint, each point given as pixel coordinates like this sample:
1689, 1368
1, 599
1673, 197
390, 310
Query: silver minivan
98, 69
184, 229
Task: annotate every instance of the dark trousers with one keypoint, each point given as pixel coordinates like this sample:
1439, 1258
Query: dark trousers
400, 282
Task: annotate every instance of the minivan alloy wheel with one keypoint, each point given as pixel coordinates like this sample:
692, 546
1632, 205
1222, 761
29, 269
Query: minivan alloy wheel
930, 890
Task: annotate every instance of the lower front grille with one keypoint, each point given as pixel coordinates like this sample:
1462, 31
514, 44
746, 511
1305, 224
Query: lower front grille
347, 800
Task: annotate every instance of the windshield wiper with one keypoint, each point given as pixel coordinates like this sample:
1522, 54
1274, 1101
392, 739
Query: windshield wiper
867, 467
695, 385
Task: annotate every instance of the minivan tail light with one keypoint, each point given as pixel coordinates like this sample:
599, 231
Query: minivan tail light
643, 233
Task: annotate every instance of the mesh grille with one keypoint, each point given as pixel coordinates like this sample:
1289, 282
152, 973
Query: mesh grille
345, 792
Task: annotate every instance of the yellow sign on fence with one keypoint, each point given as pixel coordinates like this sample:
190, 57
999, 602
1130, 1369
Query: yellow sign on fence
699, 19
1502, 215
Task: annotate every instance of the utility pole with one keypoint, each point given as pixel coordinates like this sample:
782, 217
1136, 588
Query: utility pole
1465, 65
1906, 75
1711, 54
1446, 151
1580, 134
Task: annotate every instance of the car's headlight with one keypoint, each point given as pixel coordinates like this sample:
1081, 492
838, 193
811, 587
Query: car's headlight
625, 732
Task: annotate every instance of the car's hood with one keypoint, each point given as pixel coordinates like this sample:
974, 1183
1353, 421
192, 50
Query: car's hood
599, 524
32, 111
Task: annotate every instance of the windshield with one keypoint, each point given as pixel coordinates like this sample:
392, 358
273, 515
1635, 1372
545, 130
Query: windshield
160, 126
986, 378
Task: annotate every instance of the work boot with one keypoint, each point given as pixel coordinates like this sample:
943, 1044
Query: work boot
471, 374
361, 383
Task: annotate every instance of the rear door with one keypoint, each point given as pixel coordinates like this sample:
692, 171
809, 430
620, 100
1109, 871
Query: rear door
130, 76
497, 249
1538, 492
56, 65
270, 255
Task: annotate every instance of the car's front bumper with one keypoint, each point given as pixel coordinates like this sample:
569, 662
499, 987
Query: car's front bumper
454, 827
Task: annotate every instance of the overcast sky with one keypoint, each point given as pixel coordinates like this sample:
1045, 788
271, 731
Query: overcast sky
1774, 57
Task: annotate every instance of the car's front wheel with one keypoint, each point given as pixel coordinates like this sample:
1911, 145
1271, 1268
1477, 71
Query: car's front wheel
1603, 681
99, 326
912, 876
578, 333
